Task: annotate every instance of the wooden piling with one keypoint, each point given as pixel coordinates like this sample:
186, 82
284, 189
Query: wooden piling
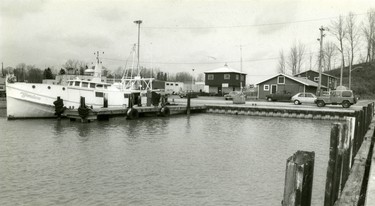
299, 179
148, 98
331, 191
188, 103
82, 102
344, 152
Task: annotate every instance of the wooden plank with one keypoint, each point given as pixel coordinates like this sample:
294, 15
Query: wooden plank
370, 194
351, 193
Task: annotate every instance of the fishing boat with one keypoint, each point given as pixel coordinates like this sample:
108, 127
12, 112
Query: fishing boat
29, 100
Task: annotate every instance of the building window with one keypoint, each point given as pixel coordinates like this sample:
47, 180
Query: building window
266, 87
210, 77
237, 76
242, 77
316, 79
281, 80
226, 76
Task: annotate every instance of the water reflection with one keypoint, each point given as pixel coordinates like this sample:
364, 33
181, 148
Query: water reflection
83, 131
58, 128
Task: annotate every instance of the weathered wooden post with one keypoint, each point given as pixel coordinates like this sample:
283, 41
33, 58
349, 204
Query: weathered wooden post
105, 101
82, 102
350, 121
299, 179
363, 126
188, 103
148, 98
344, 152
331, 191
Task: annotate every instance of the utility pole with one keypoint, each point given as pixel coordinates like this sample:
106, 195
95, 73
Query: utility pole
241, 56
320, 60
241, 66
192, 79
139, 28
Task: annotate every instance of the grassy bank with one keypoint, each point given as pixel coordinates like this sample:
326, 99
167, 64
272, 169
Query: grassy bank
363, 79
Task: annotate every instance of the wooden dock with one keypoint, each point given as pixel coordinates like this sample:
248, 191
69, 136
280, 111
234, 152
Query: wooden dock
131, 113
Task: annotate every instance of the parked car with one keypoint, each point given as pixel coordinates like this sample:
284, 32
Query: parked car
343, 97
185, 93
279, 97
304, 97
231, 94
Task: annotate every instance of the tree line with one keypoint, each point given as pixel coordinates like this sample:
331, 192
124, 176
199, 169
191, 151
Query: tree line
348, 35
32, 74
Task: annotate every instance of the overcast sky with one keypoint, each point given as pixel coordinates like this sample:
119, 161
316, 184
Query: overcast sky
175, 35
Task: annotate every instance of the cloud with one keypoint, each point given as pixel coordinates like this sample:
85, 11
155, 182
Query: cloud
80, 39
273, 13
20, 8
111, 14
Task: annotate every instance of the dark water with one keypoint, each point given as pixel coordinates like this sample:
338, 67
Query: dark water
204, 159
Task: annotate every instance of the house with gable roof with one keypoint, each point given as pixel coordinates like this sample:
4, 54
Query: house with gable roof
224, 79
328, 81
286, 84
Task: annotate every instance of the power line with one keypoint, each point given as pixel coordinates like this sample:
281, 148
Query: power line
245, 25
221, 62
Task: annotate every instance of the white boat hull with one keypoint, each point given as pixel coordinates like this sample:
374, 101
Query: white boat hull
18, 108
26, 100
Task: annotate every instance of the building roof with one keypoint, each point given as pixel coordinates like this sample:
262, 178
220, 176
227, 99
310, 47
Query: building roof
301, 80
225, 69
316, 72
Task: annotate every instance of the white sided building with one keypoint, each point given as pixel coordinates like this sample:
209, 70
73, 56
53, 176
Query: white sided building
174, 87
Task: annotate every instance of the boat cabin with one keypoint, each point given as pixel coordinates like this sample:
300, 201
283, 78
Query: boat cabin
88, 84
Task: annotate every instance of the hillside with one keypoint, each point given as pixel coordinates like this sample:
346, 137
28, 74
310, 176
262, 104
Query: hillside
363, 79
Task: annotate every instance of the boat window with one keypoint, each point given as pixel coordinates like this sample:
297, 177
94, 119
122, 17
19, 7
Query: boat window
92, 85
99, 86
126, 95
99, 94
76, 83
176, 84
71, 83
105, 86
85, 84
49, 87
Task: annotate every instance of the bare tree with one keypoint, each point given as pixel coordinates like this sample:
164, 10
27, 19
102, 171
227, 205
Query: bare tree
282, 63
200, 77
311, 55
296, 56
293, 59
352, 38
329, 52
338, 30
73, 65
300, 54
369, 33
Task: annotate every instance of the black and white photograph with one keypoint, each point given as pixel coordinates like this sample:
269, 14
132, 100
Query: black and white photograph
187, 102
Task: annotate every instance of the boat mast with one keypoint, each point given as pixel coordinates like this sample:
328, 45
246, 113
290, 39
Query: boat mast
139, 28
98, 68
